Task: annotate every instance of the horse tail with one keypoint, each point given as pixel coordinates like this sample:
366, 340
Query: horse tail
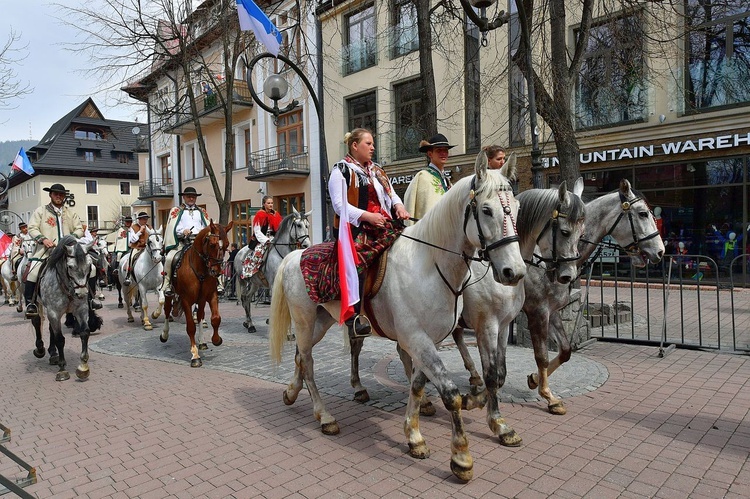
280, 319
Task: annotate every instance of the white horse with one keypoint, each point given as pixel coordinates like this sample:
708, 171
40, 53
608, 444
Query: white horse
16, 287
10, 286
293, 233
147, 276
419, 301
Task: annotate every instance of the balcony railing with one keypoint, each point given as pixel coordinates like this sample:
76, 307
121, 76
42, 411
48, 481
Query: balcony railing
155, 188
279, 161
208, 104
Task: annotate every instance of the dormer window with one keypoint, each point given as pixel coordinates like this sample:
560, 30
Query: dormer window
84, 134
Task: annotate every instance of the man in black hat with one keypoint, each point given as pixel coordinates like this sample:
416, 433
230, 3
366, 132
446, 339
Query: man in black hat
48, 225
429, 184
137, 237
185, 221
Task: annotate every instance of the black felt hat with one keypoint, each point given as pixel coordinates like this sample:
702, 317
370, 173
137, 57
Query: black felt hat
127, 219
22, 225
59, 188
438, 140
189, 191
94, 229
143, 214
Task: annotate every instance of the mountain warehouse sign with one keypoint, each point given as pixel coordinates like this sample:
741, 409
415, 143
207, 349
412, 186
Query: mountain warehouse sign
665, 148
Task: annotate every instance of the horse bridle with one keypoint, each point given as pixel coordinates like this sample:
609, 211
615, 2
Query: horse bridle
552, 224
210, 262
295, 240
76, 284
504, 193
151, 247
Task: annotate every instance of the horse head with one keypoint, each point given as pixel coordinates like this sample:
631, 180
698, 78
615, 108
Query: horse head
155, 244
494, 210
72, 263
299, 231
637, 225
553, 221
212, 243
28, 246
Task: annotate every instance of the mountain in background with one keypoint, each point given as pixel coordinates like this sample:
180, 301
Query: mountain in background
9, 149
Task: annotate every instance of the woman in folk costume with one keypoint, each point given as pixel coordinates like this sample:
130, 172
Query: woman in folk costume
265, 224
371, 205
429, 184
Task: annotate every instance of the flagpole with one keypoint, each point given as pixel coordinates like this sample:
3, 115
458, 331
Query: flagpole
275, 111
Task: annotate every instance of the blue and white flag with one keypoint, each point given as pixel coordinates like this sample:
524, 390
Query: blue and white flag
255, 20
22, 163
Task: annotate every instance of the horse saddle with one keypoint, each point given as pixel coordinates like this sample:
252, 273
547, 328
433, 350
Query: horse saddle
373, 281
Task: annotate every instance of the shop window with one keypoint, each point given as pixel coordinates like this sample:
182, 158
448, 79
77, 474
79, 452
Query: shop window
360, 51
410, 109
718, 57
611, 85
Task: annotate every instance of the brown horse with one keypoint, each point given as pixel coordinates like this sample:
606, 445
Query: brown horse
196, 283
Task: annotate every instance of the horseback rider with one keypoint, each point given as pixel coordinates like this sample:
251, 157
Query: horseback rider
121, 245
265, 225
137, 237
430, 183
185, 222
372, 202
48, 225
18, 240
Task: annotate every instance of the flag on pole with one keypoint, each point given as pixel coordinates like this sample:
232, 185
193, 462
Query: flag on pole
5, 242
348, 260
22, 163
255, 20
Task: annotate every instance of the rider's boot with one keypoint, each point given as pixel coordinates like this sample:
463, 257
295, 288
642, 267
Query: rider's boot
167, 286
28, 294
359, 325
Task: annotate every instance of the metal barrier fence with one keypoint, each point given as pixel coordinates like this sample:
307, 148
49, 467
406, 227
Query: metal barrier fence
15, 486
687, 300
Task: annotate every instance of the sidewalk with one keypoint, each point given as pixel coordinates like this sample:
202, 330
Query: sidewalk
637, 425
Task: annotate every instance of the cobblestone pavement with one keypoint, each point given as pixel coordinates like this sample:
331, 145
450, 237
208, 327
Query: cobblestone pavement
147, 425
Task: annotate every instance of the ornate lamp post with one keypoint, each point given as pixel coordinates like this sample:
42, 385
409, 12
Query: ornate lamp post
276, 88
8, 219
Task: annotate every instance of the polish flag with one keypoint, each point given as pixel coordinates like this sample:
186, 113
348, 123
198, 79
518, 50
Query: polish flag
348, 260
6, 241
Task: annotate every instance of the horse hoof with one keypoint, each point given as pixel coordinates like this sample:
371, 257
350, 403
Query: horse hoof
202, 346
39, 354
558, 409
419, 451
244, 324
62, 376
217, 342
330, 428
54, 359
463, 473
510, 439
148, 327
362, 396
252, 329
155, 316
162, 338
531, 382
130, 319
196, 363
120, 305
287, 400
82, 373
427, 409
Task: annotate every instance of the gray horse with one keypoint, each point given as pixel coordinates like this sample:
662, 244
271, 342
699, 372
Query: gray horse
293, 234
63, 288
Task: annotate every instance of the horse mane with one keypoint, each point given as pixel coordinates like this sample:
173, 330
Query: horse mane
57, 257
536, 209
440, 221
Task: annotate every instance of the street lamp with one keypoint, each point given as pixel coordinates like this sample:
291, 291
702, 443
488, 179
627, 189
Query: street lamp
7, 220
276, 88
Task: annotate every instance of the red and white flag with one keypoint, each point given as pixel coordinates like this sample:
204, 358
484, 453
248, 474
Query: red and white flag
348, 260
6, 241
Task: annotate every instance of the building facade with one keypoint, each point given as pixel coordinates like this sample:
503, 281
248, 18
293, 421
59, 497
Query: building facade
97, 160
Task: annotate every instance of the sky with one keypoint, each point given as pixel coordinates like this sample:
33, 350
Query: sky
52, 71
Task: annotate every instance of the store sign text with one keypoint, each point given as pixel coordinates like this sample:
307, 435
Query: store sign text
667, 148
